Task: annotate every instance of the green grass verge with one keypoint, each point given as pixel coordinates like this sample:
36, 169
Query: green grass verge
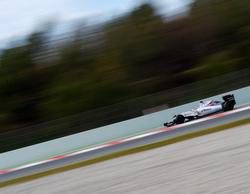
125, 153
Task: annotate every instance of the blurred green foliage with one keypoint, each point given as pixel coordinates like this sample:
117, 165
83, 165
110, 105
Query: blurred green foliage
134, 55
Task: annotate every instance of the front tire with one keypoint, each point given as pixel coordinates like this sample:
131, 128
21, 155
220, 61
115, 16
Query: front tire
179, 119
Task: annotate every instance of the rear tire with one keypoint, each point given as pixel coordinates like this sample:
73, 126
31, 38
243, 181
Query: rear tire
227, 106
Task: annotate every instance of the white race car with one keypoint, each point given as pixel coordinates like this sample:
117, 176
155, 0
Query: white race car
205, 108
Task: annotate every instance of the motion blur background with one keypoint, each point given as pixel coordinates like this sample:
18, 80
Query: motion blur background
101, 62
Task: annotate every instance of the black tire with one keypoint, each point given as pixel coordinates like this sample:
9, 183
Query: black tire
179, 119
227, 106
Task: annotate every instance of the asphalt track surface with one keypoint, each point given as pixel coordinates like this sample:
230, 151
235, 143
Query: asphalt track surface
196, 126
216, 163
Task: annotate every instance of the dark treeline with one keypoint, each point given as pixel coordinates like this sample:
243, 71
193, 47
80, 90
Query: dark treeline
134, 55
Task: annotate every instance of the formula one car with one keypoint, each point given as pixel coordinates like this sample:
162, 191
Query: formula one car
204, 109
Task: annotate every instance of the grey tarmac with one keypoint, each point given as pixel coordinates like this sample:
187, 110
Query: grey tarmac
215, 163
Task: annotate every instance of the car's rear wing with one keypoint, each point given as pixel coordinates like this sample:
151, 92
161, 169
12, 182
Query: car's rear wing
229, 98
229, 102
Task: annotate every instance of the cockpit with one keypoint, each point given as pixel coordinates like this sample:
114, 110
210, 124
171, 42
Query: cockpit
209, 103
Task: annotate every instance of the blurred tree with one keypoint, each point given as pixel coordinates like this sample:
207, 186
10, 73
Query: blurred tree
22, 81
19, 85
68, 91
179, 42
225, 18
215, 65
220, 30
136, 40
133, 55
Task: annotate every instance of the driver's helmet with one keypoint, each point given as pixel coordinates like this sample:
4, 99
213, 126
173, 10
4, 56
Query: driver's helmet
202, 104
